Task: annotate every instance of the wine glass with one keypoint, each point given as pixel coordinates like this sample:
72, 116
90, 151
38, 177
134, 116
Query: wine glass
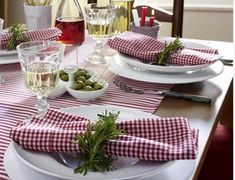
40, 61
99, 23
1, 28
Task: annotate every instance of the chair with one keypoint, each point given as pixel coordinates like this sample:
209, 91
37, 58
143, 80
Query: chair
162, 15
91, 1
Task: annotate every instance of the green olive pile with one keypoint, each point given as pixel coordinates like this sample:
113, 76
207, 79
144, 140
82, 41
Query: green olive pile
82, 81
64, 76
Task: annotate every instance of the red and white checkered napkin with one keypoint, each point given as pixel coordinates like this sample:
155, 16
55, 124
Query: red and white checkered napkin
145, 48
50, 34
160, 139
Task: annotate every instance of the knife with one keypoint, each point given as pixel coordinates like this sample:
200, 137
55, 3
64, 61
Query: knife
173, 94
187, 97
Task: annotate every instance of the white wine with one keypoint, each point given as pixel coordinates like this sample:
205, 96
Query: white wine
99, 29
41, 77
123, 16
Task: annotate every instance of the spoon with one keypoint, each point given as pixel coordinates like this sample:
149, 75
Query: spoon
67, 159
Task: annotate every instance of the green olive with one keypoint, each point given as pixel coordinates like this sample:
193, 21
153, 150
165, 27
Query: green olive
88, 88
62, 72
89, 82
75, 86
79, 85
88, 75
64, 77
80, 69
98, 86
81, 78
80, 73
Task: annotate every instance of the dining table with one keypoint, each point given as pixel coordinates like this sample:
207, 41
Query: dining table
16, 102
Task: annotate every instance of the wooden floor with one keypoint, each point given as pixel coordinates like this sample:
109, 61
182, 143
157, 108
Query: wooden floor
218, 163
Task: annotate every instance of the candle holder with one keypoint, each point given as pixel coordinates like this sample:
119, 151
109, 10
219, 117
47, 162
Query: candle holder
152, 31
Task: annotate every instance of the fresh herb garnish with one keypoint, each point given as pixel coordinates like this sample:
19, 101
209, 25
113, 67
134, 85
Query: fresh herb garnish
17, 35
162, 58
92, 143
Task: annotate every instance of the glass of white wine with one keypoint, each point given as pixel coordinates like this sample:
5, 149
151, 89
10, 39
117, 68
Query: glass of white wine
99, 20
40, 61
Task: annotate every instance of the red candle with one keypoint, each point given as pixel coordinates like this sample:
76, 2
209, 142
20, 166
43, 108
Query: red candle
151, 20
144, 12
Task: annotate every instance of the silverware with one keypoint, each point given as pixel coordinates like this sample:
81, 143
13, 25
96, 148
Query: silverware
168, 93
66, 159
227, 62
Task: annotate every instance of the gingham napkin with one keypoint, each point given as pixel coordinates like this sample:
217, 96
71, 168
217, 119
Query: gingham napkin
145, 48
160, 139
50, 34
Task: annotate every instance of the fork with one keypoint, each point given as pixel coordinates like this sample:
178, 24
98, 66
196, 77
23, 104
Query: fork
188, 97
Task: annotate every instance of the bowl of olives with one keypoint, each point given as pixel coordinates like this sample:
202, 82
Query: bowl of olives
80, 74
88, 90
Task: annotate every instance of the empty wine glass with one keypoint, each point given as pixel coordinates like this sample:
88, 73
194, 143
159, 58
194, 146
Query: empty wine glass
40, 61
1, 28
99, 23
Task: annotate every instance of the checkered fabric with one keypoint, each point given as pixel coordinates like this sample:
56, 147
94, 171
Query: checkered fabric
50, 34
160, 139
145, 48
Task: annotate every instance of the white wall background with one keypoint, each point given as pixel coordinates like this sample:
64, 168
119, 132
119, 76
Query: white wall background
186, 2
203, 19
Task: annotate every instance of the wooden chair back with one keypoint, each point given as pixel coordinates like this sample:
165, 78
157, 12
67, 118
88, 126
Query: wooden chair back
175, 17
91, 1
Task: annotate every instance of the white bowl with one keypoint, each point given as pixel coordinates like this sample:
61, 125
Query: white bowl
89, 95
59, 91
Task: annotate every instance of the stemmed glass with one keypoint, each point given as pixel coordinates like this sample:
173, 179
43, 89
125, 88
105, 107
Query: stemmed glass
1, 28
99, 23
40, 61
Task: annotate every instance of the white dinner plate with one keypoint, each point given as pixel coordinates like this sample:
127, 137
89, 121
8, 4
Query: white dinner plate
44, 163
16, 170
7, 53
119, 67
137, 63
9, 59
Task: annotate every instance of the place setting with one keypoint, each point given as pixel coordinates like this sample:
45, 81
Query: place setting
17, 34
127, 168
190, 64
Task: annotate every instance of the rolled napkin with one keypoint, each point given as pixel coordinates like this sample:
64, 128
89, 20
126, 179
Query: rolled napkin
159, 139
47, 34
145, 48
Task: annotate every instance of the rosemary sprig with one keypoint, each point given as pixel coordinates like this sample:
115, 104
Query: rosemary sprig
92, 144
17, 35
163, 57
